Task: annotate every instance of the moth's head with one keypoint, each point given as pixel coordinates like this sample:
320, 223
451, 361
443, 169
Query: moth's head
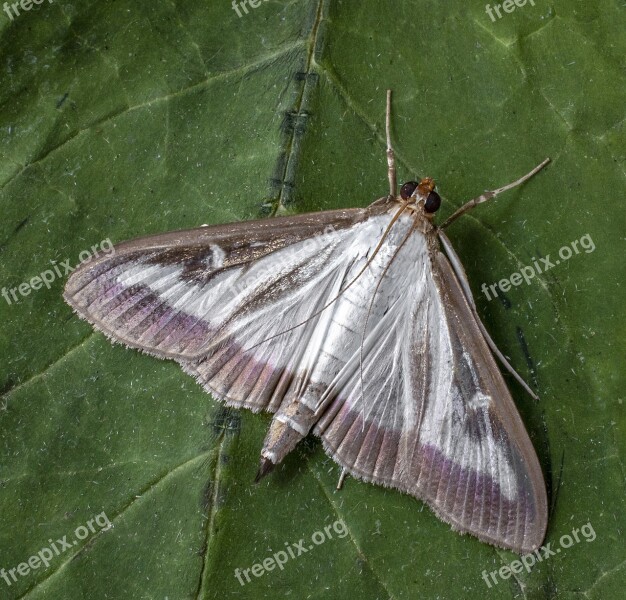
422, 193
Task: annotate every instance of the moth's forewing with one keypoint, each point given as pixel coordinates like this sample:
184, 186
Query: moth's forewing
447, 431
115, 297
524, 525
200, 296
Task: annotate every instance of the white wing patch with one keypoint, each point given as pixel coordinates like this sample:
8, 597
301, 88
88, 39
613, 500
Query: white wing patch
413, 328
479, 401
218, 256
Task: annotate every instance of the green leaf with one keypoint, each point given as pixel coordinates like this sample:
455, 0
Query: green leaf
120, 119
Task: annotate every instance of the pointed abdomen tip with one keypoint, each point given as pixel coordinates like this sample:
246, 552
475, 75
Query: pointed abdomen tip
265, 467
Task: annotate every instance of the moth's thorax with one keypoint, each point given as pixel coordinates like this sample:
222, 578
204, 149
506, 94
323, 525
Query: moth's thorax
423, 220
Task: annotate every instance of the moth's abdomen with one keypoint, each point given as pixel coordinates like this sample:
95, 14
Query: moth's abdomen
346, 324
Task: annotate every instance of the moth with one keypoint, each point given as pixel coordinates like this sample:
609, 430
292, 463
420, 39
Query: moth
357, 325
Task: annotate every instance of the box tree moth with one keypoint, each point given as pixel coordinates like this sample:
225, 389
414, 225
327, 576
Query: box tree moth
356, 325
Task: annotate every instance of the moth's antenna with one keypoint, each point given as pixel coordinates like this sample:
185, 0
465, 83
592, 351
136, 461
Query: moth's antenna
391, 160
342, 290
491, 194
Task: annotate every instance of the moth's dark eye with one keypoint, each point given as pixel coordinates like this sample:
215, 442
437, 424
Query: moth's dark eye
407, 189
433, 202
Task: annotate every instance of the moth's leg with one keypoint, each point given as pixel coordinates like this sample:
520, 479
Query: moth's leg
458, 269
492, 194
342, 477
391, 159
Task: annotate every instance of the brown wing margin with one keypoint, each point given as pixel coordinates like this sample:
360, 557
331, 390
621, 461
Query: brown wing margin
532, 500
